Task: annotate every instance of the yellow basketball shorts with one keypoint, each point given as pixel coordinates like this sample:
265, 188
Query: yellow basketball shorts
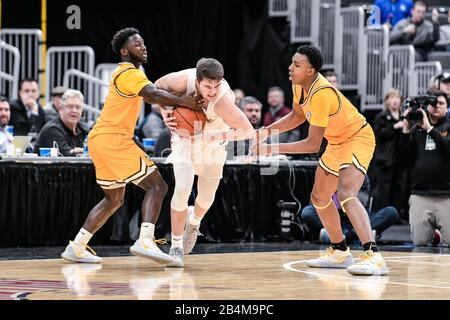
357, 150
118, 160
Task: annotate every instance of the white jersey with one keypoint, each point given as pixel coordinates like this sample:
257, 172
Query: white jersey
211, 153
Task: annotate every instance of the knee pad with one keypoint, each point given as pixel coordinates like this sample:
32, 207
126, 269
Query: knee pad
323, 207
206, 192
180, 198
343, 202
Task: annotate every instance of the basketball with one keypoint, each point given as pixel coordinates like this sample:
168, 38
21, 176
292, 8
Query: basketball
190, 121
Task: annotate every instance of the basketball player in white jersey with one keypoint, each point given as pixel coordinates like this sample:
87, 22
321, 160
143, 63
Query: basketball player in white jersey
203, 155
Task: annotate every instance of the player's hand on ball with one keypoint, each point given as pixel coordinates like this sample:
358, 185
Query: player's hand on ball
194, 102
201, 102
169, 120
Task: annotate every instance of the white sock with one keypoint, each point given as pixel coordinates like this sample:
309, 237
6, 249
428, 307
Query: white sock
83, 237
194, 220
177, 241
147, 231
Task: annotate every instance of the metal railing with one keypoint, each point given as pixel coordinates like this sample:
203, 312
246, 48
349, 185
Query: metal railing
29, 43
374, 79
424, 72
401, 69
352, 41
103, 72
61, 59
304, 17
9, 70
329, 12
278, 8
316, 22
73, 78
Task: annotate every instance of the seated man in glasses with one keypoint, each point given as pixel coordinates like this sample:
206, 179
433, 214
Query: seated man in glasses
65, 131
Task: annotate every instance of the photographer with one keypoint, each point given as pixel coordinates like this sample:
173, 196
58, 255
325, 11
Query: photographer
425, 144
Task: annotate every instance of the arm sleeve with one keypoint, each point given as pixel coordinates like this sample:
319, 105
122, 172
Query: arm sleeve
397, 33
427, 34
132, 81
323, 103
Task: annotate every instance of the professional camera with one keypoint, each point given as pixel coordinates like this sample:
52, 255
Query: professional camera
416, 103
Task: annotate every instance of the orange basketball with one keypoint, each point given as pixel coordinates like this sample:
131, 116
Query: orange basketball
190, 121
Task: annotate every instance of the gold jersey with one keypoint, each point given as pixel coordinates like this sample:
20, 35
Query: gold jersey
325, 106
123, 104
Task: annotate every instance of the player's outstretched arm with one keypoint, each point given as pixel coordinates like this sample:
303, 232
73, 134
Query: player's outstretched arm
309, 145
290, 121
176, 83
152, 94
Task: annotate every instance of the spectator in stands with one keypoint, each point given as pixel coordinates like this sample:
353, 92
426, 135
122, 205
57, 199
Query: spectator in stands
5, 114
444, 35
392, 11
379, 221
26, 113
51, 109
153, 123
416, 31
277, 110
239, 94
426, 147
252, 109
387, 175
331, 76
66, 130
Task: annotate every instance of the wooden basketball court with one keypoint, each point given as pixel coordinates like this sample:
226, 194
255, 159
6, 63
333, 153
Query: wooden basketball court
262, 275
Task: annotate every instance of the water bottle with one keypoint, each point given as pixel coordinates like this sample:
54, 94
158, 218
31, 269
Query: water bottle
85, 148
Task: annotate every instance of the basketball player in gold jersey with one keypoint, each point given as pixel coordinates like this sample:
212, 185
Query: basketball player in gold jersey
342, 167
117, 159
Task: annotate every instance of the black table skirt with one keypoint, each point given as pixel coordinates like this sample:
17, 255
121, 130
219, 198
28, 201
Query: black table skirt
47, 203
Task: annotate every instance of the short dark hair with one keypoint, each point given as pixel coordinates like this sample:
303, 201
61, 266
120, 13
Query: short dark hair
438, 93
4, 99
314, 56
121, 37
26, 80
420, 3
209, 68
